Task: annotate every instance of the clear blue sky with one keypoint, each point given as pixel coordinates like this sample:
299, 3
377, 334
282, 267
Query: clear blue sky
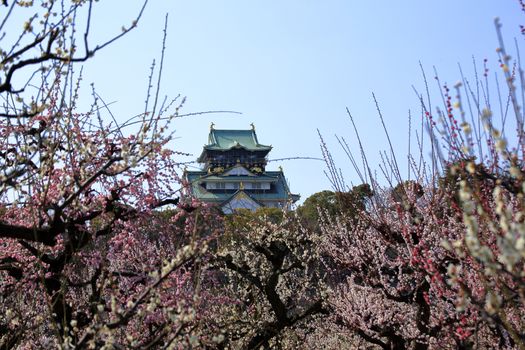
292, 66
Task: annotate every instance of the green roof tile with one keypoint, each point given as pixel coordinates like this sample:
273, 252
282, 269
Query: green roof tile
260, 178
223, 140
281, 188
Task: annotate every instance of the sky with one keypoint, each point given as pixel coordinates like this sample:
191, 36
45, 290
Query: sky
292, 67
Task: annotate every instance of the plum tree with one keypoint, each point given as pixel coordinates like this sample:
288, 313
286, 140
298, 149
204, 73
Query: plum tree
85, 261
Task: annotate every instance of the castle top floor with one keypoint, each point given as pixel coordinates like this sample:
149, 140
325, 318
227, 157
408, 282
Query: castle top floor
227, 148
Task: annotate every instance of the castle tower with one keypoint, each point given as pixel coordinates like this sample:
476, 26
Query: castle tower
234, 175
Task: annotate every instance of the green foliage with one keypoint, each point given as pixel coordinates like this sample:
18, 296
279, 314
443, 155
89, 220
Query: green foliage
309, 210
242, 221
400, 192
333, 203
244, 218
352, 202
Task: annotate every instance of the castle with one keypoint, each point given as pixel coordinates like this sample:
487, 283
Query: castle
234, 174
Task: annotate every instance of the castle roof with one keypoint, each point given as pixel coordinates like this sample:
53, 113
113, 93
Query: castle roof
195, 179
224, 140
